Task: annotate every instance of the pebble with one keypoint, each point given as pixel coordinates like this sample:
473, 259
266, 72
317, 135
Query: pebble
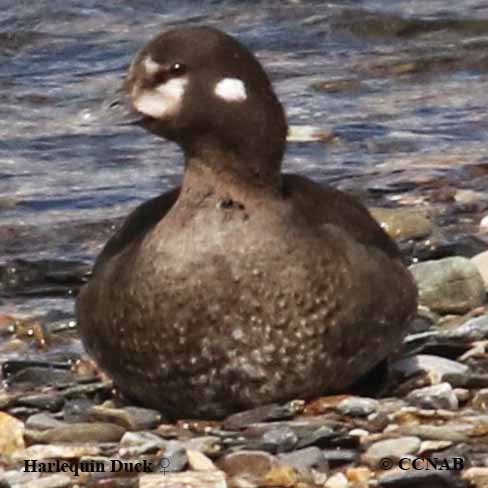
477, 476
357, 406
189, 479
282, 476
197, 461
247, 466
56, 451
337, 481
475, 329
447, 432
137, 443
449, 285
131, 418
340, 456
81, 432
435, 397
43, 421
433, 446
264, 413
438, 368
58, 480
420, 479
11, 434
391, 448
303, 460
401, 223
279, 440
481, 263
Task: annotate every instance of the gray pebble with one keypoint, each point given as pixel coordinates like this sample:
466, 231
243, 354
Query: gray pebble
449, 285
357, 406
390, 448
303, 460
435, 397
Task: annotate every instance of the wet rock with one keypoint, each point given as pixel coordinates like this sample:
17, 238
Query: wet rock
307, 133
43, 421
247, 466
76, 410
33, 377
279, 440
402, 223
481, 263
189, 479
11, 434
197, 461
53, 481
56, 451
450, 285
82, 432
435, 397
439, 369
420, 479
176, 455
303, 460
357, 406
132, 418
390, 448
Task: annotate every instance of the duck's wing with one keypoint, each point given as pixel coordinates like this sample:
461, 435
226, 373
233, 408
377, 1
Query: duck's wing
139, 222
322, 205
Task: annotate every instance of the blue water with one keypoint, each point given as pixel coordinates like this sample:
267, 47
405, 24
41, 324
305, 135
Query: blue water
65, 174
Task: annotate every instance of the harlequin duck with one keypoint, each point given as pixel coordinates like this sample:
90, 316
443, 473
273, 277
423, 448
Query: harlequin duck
244, 286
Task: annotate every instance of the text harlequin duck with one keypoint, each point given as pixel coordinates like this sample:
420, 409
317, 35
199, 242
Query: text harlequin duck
244, 286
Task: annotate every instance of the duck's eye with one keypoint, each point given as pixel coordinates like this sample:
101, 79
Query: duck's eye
177, 69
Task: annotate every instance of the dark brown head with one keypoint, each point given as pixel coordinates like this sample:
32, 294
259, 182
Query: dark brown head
201, 88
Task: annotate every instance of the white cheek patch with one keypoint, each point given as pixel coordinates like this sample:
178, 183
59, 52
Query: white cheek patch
163, 101
231, 90
151, 66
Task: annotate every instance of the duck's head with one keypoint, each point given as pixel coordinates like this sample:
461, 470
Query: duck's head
204, 90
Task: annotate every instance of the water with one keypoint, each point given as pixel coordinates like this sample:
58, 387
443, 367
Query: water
411, 117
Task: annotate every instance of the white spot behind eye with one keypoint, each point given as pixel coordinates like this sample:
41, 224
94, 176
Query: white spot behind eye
231, 90
163, 101
151, 66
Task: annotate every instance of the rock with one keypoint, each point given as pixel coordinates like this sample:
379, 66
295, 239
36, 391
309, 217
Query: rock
419, 479
81, 432
131, 418
478, 477
136, 443
435, 397
283, 476
16, 478
56, 451
279, 440
480, 399
197, 461
401, 223
248, 467
449, 285
481, 263
43, 421
475, 329
439, 369
339, 456
59, 480
303, 460
264, 413
447, 432
433, 446
390, 448
357, 406
176, 455
307, 133
189, 479
11, 434
359, 476
52, 401
337, 481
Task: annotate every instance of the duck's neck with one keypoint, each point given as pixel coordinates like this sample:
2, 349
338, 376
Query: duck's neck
211, 168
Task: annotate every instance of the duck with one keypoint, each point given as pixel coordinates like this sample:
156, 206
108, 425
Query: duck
245, 285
